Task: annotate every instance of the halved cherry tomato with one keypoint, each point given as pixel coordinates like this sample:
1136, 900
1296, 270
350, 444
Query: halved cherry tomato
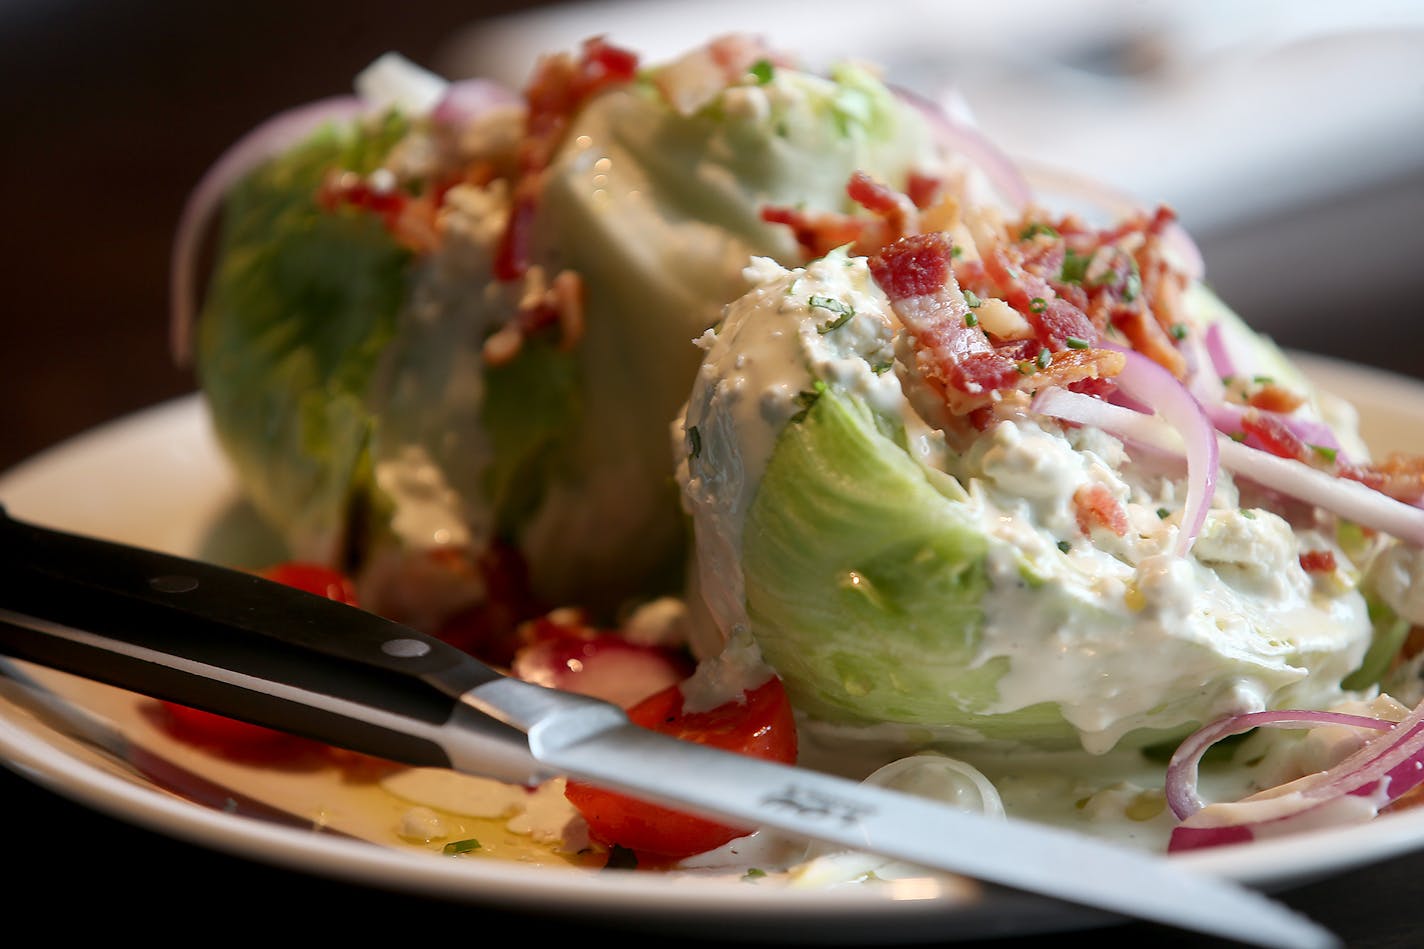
314, 578
762, 726
203, 725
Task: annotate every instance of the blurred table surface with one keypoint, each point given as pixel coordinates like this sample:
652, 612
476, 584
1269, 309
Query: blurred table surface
111, 113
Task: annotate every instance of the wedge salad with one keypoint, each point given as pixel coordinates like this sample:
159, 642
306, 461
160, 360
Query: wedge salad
785, 411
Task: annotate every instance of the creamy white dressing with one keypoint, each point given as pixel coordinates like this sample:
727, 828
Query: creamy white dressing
747, 389
1115, 631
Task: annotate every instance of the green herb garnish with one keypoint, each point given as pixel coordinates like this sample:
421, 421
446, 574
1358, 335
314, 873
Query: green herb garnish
461, 846
843, 312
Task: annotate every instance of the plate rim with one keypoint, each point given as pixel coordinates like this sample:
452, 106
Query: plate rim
1270, 865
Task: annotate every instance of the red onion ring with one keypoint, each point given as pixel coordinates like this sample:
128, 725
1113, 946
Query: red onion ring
1221, 361
272, 136
467, 99
963, 139
1182, 770
1355, 789
1343, 497
1147, 383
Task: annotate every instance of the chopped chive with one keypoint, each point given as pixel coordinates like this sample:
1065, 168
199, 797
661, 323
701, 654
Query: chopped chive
1179, 331
1076, 342
971, 320
1163, 513
972, 299
804, 400
1064, 546
1249, 515
1329, 454
1262, 380
763, 70
1075, 267
755, 873
1038, 304
461, 846
956, 251
881, 368
1033, 230
1133, 288
1044, 358
1238, 436
842, 311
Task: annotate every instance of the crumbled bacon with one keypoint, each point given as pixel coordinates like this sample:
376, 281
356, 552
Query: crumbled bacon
1270, 433
1317, 561
1399, 475
923, 190
559, 304
1275, 398
696, 78
559, 87
820, 232
958, 357
410, 219
1095, 506
817, 233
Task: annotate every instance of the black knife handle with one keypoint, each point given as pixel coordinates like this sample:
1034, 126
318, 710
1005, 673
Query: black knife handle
240, 645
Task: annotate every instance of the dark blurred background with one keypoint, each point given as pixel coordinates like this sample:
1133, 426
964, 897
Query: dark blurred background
1289, 137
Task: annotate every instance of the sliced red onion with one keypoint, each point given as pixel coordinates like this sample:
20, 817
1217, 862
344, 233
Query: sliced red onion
459, 102
1221, 360
962, 138
1181, 786
1348, 499
1343, 497
1227, 417
1147, 383
467, 99
1380, 772
271, 137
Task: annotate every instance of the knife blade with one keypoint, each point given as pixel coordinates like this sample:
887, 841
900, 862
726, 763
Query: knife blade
239, 645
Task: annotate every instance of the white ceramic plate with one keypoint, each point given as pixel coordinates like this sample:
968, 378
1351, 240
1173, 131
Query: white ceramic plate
158, 479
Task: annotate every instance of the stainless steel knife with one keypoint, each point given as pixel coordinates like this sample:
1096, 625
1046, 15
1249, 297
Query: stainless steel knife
242, 646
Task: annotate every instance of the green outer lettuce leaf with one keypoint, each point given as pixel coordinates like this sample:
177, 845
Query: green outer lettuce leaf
302, 302
864, 582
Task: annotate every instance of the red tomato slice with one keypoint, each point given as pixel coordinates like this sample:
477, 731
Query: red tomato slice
313, 578
762, 726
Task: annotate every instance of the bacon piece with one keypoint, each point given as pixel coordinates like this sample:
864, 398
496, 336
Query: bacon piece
1400, 476
695, 79
1317, 561
915, 274
1095, 506
560, 304
1078, 369
1272, 397
1270, 433
897, 211
818, 233
558, 88
1149, 338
